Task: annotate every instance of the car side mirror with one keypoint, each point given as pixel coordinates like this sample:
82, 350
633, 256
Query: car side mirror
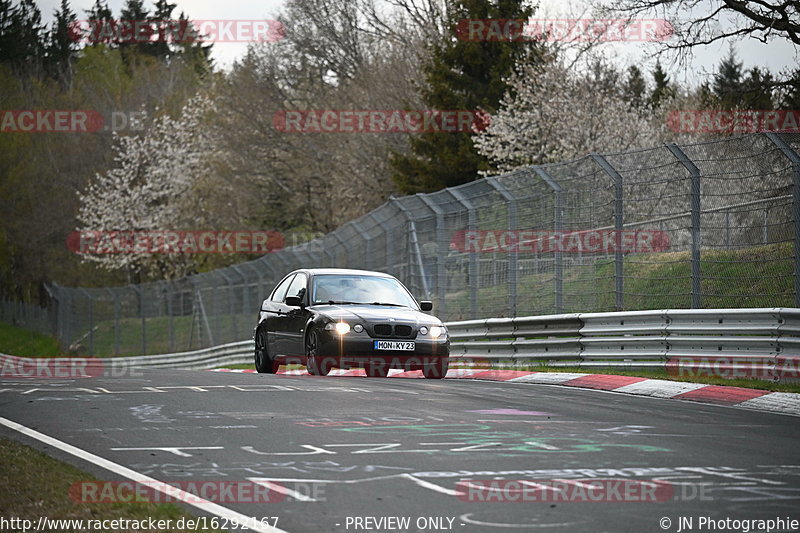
264, 305
294, 301
425, 305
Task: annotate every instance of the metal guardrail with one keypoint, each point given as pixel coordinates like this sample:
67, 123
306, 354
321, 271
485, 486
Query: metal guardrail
762, 343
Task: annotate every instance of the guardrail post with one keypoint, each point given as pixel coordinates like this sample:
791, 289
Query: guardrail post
619, 220
694, 172
795, 159
441, 254
513, 255
558, 225
474, 275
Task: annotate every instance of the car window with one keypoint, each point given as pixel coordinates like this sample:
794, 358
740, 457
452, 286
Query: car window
298, 283
280, 291
361, 290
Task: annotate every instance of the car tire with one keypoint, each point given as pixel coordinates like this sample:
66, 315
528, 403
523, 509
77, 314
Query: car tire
315, 363
438, 369
264, 363
377, 370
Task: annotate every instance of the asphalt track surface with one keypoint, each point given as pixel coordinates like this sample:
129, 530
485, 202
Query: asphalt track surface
346, 454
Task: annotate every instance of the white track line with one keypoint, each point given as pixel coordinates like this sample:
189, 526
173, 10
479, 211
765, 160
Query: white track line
191, 499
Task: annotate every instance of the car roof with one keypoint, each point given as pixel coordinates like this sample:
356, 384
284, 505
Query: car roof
343, 271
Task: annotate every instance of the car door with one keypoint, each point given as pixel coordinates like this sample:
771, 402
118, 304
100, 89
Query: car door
291, 323
275, 310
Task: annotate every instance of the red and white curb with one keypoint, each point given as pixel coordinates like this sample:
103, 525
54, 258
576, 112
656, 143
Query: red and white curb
762, 400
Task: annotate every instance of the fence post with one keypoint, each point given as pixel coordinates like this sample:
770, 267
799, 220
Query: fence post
91, 319
558, 225
441, 254
413, 242
511, 202
362, 233
474, 277
139, 294
327, 251
694, 172
52, 290
115, 299
388, 241
619, 219
795, 159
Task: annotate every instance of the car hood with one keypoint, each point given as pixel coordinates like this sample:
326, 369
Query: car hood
371, 314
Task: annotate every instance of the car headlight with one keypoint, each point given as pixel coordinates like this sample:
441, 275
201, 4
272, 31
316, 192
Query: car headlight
342, 328
436, 331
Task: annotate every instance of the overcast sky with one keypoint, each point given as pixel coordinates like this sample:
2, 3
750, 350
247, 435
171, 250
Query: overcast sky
777, 56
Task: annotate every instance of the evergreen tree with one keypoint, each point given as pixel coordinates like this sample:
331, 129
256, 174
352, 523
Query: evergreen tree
102, 26
757, 90
22, 45
61, 48
635, 87
790, 97
135, 37
162, 22
191, 48
460, 75
728, 86
663, 90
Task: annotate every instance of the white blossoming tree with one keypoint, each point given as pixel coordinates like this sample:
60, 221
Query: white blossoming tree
557, 112
152, 188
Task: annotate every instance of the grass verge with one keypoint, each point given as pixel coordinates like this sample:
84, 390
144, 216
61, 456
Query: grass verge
34, 485
26, 343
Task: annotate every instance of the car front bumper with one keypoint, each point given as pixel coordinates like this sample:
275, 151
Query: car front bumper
350, 351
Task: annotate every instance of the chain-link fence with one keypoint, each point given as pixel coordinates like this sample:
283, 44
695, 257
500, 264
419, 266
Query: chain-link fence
704, 225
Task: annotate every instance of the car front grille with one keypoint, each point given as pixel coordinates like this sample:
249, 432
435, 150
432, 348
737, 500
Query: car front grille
401, 331
384, 330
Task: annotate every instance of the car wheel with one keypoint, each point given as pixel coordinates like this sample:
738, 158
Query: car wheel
315, 363
265, 364
438, 369
377, 370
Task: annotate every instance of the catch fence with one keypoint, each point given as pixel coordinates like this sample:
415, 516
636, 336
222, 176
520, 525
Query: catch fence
704, 225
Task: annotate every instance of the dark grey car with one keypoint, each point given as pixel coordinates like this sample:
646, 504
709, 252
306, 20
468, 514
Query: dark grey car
325, 318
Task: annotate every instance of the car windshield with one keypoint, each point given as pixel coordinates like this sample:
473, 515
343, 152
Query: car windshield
355, 289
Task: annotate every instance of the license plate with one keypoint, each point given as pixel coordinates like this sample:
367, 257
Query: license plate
405, 346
